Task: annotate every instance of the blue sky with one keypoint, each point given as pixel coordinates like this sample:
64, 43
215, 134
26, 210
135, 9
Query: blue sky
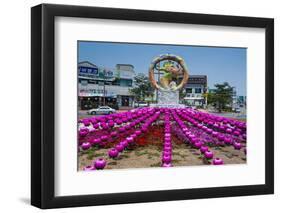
219, 64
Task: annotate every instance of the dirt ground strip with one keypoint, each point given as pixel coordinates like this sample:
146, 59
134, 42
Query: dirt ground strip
150, 156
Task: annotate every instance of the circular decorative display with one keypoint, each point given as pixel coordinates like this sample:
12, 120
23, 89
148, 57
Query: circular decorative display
172, 67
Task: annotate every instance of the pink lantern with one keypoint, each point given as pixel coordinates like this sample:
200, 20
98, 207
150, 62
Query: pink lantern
96, 126
166, 165
166, 159
124, 143
217, 161
228, 130
99, 163
208, 154
119, 147
198, 144
113, 153
104, 137
86, 145
203, 149
114, 134
89, 168
130, 139
237, 145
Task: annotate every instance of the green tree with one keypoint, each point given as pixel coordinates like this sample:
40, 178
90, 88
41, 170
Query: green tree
221, 96
142, 87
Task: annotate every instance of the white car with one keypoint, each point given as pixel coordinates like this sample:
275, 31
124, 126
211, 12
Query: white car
237, 110
101, 110
141, 104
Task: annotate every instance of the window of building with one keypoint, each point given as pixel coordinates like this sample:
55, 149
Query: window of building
84, 82
116, 82
101, 83
198, 90
92, 81
188, 90
126, 82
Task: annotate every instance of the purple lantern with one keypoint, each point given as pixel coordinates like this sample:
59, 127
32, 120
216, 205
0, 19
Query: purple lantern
89, 168
166, 165
130, 139
166, 159
198, 144
237, 145
85, 145
208, 154
203, 149
119, 147
113, 153
99, 163
217, 161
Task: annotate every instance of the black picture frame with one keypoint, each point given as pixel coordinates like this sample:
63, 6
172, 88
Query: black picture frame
43, 102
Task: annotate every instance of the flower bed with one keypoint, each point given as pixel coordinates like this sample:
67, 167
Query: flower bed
167, 133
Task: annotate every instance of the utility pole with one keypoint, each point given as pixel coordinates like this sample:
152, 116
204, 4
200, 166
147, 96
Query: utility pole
103, 87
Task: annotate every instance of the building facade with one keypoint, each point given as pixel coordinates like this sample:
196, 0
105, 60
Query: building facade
99, 86
234, 103
242, 100
195, 89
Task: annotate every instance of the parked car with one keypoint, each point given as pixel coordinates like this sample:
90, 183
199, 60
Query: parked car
237, 110
141, 104
101, 110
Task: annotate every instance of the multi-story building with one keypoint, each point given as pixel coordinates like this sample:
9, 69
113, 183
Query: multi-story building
195, 89
234, 97
242, 100
105, 86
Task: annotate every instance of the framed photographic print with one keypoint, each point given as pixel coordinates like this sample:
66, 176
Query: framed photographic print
139, 106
